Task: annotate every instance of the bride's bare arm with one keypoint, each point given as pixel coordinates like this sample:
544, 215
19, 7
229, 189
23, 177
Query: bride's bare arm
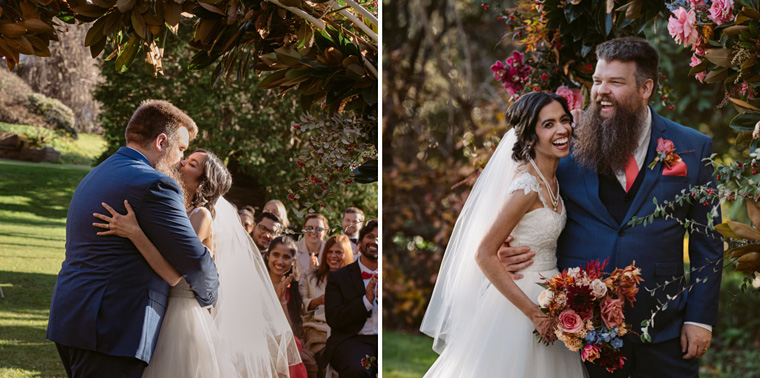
126, 226
512, 210
201, 221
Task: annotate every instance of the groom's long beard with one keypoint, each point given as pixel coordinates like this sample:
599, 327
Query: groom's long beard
175, 173
606, 145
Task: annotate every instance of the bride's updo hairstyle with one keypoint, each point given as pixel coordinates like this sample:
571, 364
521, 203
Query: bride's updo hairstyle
213, 183
523, 116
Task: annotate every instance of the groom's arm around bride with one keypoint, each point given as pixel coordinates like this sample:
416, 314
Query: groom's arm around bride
108, 303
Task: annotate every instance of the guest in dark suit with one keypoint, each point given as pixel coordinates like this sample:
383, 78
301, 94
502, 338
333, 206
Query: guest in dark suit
108, 303
351, 310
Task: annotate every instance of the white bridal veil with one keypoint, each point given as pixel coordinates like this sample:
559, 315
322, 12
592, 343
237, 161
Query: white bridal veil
459, 280
254, 332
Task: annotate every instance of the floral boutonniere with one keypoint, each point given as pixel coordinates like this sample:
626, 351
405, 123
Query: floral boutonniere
666, 152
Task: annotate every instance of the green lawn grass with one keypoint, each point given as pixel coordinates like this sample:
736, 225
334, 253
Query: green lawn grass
735, 350
83, 150
34, 199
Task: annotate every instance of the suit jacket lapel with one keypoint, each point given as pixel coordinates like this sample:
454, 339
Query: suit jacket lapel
356, 277
651, 176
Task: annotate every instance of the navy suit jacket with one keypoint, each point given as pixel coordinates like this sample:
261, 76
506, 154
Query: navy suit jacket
107, 298
591, 232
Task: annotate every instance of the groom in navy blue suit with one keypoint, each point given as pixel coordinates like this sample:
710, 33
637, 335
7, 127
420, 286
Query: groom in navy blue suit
607, 180
108, 303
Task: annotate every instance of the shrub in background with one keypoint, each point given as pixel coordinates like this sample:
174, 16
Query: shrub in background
14, 105
56, 113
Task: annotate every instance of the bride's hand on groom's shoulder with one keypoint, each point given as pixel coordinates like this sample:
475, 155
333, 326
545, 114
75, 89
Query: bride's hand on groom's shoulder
124, 225
515, 258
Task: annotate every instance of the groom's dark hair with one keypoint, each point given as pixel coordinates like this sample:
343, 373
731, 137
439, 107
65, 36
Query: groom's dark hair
632, 49
154, 117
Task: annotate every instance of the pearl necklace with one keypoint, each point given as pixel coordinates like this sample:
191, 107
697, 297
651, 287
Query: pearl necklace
554, 200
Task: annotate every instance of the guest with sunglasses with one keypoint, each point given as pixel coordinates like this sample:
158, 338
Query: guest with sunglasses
313, 241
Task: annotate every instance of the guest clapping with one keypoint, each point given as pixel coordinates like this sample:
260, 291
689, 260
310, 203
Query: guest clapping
312, 285
351, 310
313, 241
281, 263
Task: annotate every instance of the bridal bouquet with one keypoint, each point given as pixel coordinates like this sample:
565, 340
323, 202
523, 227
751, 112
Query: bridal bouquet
586, 309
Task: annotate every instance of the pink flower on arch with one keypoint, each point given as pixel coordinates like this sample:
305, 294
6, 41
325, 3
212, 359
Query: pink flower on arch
514, 74
682, 28
695, 62
573, 96
721, 11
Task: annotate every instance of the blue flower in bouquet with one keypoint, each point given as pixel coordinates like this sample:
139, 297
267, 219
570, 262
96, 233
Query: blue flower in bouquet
606, 336
616, 343
614, 332
590, 336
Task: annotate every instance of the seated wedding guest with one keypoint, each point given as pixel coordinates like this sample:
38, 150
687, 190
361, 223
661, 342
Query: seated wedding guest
312, 285
313, 241
267, 227
246, 219
276, 207
353, 218
351, 310
280, 261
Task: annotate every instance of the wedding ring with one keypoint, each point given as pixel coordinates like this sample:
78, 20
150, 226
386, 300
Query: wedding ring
704, 350
108, 226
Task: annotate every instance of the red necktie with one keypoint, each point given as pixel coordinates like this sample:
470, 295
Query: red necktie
366, 275
631, 171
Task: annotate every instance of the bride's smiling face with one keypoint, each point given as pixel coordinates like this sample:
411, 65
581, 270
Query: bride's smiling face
554, 129
192, 169
280, 259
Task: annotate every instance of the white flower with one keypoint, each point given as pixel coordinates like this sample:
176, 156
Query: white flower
598, 288
545, 298
573, 272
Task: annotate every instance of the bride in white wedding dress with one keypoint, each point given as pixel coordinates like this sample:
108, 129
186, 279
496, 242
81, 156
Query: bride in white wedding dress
247, 335
481, 319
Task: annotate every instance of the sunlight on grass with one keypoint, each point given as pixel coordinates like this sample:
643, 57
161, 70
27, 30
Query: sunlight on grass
84, 150
34, 199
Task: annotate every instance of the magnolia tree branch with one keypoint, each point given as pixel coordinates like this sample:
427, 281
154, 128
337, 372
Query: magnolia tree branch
362, 11
356, 21
300, 13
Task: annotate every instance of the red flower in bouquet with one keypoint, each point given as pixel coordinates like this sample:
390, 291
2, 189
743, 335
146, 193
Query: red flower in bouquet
587, 310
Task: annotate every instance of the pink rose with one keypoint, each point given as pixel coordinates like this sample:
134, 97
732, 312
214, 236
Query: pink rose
591, 352
573, 96
665, 145
681, 26
721, 11
570, 322
695, 61
612, 312
696, 3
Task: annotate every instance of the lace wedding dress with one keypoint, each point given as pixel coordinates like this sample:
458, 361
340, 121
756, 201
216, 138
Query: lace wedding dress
498, 339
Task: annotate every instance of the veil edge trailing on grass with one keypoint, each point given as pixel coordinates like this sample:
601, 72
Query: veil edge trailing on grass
459, 280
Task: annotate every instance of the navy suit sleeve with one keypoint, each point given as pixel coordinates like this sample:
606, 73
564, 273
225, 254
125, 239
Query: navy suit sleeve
341, 310
162, 217
704, 249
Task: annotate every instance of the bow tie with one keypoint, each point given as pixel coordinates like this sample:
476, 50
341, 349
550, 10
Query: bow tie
366, 275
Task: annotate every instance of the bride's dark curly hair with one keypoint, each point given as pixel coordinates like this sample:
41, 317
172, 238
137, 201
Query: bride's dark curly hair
523, 116
214, 182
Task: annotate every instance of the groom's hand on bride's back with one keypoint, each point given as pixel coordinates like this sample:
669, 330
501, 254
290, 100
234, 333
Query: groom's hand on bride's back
515, 258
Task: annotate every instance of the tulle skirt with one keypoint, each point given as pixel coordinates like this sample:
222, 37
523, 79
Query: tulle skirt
499, 341
186, 343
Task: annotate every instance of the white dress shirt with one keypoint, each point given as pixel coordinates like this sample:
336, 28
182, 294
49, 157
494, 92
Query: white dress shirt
370, 326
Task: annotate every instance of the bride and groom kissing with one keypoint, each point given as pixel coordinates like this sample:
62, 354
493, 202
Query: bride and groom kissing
113, 312
605, 179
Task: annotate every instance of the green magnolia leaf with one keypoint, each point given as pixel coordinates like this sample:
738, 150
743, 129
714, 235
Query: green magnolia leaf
745, 121
715, 76
97, 47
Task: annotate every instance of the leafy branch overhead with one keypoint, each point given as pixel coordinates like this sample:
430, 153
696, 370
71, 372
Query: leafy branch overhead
327, 50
